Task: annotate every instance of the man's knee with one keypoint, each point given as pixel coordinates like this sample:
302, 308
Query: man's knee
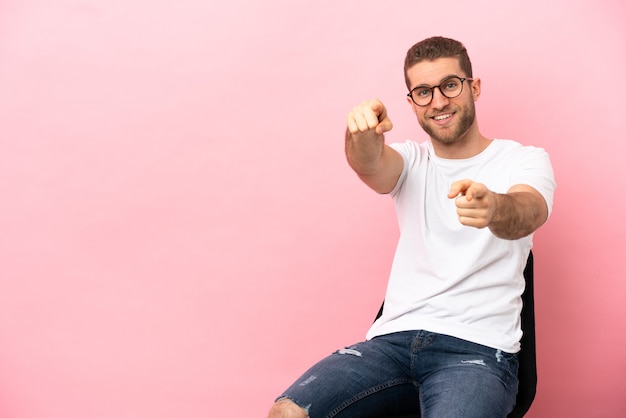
284, 408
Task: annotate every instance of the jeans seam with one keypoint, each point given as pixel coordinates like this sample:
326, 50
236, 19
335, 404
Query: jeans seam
367, 393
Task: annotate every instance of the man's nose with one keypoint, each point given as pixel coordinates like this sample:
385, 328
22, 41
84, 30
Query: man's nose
439, 100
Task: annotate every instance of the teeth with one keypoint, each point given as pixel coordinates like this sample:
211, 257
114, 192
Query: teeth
442, 117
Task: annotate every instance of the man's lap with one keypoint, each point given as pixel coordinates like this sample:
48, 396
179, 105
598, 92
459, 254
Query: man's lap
442, 375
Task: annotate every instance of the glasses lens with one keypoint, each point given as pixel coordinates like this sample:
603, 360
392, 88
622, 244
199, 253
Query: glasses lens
451, 87
422, 95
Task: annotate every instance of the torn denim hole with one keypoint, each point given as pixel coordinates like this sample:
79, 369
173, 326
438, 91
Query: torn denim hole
308, 380
350, 351
306, 408
477, 362
499, 356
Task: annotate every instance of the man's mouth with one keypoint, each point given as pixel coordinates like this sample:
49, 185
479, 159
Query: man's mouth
440, 118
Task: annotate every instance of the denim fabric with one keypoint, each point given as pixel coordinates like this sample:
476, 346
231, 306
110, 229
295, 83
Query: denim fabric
438, 375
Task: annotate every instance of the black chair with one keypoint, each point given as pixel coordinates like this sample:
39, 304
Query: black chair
527, 356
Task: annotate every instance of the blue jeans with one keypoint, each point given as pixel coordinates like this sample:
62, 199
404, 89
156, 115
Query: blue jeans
437, 375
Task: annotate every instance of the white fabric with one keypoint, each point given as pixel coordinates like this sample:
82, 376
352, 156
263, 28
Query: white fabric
450, 278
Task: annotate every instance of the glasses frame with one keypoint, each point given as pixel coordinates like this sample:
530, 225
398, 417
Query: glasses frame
432, 90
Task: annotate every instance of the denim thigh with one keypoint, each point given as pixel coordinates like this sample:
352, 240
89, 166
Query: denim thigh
458, 378
368, 379
406, 372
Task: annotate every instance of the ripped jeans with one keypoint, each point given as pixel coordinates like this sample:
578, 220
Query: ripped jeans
409, 372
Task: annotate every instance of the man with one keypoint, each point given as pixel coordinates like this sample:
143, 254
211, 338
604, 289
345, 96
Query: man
467, 207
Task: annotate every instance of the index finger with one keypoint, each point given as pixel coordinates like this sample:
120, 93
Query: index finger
459, 187
363, 117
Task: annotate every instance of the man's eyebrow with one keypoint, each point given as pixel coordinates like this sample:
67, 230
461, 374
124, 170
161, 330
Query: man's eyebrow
441, 81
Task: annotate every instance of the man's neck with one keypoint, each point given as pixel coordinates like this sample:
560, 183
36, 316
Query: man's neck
467, 146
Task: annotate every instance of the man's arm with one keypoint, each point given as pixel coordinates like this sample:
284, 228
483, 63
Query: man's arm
513, 215
377, 164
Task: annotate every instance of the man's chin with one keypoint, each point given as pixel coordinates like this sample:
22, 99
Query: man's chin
445, 138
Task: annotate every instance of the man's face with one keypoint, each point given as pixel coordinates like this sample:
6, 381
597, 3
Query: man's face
444, 120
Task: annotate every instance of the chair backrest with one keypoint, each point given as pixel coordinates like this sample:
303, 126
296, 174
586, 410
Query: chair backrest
527, 356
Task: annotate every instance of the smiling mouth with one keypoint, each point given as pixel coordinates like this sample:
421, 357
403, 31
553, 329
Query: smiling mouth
443, 117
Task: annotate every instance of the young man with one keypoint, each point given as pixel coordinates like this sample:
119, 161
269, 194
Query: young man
467, 207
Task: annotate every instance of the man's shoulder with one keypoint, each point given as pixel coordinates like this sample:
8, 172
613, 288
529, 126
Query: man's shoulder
511, 147
412, 147
511, 144
506, 143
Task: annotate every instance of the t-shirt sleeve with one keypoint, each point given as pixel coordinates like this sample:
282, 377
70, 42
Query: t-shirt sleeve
535, 169
409, 152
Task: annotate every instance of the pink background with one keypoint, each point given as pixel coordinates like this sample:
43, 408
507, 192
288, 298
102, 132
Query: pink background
180, 235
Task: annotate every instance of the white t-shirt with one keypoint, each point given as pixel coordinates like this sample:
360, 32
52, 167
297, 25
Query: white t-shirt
454, 279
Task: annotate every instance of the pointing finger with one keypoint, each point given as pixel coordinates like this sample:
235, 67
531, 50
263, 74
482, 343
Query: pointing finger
475, 191
459, 187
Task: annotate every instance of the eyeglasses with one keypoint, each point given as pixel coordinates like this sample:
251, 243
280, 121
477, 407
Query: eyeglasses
451, 87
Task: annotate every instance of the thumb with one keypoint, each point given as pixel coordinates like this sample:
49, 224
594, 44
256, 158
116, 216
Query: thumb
385, 125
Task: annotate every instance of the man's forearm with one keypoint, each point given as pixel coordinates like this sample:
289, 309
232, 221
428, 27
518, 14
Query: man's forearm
377, 165
517, 214
364, 155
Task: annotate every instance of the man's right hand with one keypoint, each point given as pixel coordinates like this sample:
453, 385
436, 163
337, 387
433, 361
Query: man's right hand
369, 117
377, 164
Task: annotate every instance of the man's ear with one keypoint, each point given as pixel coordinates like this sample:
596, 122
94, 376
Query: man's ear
475, 88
